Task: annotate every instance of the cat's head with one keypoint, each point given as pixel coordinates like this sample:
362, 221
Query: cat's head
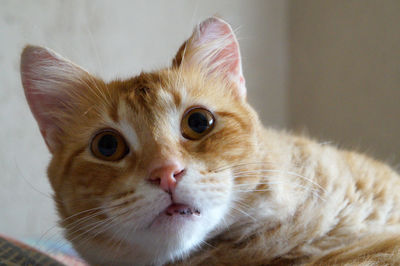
143, 169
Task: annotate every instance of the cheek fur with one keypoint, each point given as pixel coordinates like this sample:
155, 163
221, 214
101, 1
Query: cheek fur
95, 179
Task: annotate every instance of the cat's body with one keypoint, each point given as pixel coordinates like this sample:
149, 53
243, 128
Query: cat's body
355, 206
193, 177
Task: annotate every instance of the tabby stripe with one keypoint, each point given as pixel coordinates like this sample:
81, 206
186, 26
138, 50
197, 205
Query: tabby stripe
70, 160
234, 116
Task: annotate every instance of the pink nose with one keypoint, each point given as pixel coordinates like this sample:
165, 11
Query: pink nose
167, 176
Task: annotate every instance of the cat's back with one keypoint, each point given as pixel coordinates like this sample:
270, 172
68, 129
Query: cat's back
359, 177
356, 218
323, 160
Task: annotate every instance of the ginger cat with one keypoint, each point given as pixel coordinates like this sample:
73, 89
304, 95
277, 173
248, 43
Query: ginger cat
174, 167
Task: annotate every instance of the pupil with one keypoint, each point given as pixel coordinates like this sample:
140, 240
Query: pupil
198, 122
107, 145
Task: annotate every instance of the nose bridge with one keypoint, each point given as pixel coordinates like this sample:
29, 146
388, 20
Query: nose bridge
159, 141
162, 138
159, 149
165, 167
168, 150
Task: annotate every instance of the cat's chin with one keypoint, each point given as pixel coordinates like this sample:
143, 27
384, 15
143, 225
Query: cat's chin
170, 236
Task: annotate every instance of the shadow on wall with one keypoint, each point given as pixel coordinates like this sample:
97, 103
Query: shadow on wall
345, 73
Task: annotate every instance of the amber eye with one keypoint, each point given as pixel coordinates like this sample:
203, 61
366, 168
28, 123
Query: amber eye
196, 123
109, 145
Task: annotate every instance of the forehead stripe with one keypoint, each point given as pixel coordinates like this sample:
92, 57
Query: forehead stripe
130, 134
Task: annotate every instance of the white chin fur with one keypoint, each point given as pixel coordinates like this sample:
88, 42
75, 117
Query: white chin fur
156, 246
160, 246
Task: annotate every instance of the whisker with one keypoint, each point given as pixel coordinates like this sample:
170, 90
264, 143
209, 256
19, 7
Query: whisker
283, 172
254, 190
245, 213
206, 243
240, 202
79, 221
61, 243
259, 183
64, 220
29, 183
313, 191
106, 226
225, 167
79, 225
95, 225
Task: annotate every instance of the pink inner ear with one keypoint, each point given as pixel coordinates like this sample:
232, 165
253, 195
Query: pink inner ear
217, 47
45, 77
229, 55
230, 58
41, 106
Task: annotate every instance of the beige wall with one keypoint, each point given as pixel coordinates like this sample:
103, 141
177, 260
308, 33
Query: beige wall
115, 38
345, 73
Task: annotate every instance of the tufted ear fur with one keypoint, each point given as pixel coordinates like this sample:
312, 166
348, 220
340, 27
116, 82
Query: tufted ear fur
51, 84
214, 47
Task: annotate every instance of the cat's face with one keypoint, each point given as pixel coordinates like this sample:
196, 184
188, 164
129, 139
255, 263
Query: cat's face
141, 168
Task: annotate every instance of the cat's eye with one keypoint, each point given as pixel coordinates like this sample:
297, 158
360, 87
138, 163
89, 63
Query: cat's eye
109, 145
196, 123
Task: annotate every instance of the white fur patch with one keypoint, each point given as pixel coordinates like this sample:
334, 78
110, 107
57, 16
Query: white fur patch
130, 134
127, 128
172, 116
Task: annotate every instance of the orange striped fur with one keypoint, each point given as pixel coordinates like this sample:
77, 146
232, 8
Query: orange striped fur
266, 197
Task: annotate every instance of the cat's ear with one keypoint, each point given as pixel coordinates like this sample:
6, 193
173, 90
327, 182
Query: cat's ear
49, 81
214, 47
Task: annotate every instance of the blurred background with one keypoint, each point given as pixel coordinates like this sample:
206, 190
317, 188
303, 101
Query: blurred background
330, 69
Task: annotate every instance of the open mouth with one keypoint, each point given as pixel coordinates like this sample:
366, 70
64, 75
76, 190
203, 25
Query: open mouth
181, 209
175, 215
